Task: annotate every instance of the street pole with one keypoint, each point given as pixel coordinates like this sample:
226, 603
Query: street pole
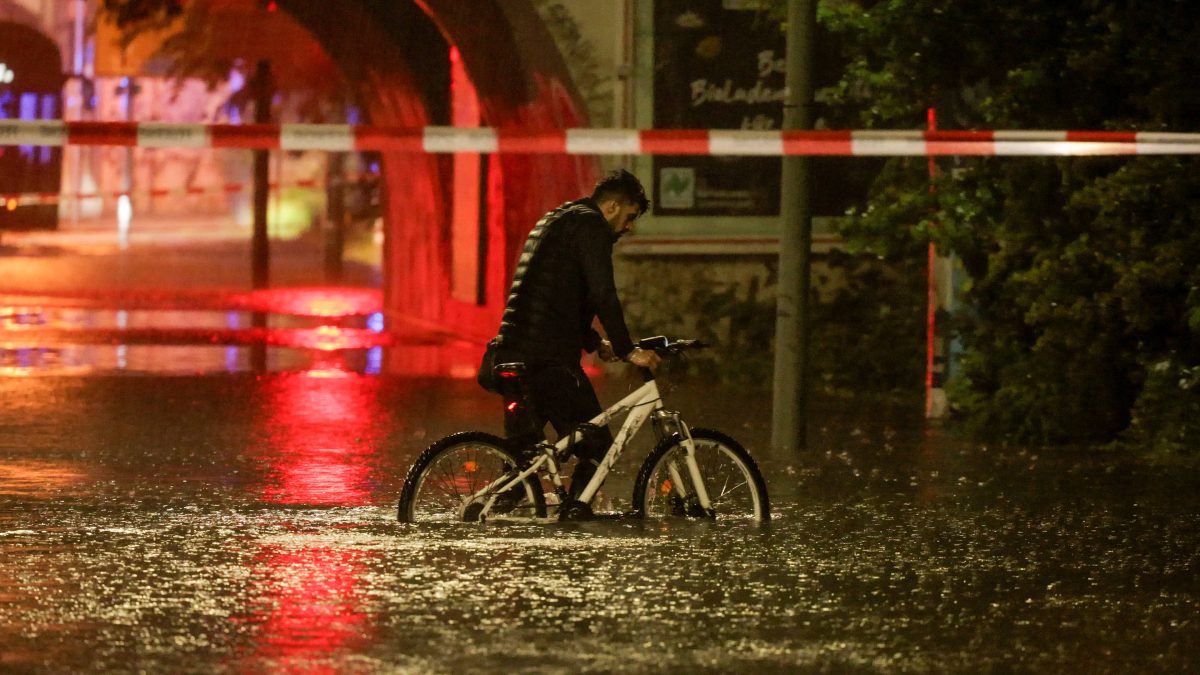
260, 255
789, 428
335, 217
260, 252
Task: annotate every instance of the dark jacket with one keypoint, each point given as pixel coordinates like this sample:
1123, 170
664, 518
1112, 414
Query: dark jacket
564, 278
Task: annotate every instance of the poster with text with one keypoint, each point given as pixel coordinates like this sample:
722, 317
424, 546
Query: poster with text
717, 65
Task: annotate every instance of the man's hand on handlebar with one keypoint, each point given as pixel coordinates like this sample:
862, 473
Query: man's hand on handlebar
605, 351
644, 358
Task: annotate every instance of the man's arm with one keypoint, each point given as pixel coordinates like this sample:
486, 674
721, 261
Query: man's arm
592, 340
594, 241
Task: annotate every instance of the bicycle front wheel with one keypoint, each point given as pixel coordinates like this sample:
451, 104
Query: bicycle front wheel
450, 481
735, 487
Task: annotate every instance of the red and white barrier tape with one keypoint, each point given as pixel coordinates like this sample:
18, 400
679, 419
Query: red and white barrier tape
346, 138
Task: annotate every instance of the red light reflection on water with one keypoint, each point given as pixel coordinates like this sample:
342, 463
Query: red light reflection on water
322, 434
333, 338
318, 301
309, 606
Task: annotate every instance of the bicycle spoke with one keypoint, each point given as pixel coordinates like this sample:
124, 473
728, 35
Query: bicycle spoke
727, 482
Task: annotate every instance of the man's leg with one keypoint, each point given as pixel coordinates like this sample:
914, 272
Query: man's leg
565, 397
522, 428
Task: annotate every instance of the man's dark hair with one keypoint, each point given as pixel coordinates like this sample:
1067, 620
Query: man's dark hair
623, 187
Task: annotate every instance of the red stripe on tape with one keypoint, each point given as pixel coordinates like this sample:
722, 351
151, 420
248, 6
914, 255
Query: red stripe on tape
1102, 136
396, 139
250, 136
531, 142
817, 142
674, 141
960, 143
1116, 142
102, 133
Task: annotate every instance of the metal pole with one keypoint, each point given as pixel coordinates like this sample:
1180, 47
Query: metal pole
260, 253
931, 299
789, 429
335, 217
125, 199
260, 256
935, 345
77, 72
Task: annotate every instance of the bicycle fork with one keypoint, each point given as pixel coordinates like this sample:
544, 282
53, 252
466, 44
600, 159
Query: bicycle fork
667, 422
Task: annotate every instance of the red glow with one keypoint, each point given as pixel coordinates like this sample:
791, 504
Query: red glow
310, 607
520, 188
303, 301
322, 437
318, 301
331, 338
465, 259
325, 371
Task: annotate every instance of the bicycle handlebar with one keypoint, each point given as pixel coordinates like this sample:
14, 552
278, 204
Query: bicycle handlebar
663, 345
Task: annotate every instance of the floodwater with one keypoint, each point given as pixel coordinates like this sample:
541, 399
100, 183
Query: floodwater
179, 504
245, 522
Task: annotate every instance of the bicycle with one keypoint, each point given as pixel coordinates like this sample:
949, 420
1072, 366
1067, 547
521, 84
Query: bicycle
694, 473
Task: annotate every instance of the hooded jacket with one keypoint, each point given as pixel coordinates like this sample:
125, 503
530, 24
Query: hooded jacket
564, 279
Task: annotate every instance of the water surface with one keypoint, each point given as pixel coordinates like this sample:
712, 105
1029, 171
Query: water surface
240, 521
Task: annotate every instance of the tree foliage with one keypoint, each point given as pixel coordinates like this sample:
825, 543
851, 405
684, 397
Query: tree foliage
1082, 314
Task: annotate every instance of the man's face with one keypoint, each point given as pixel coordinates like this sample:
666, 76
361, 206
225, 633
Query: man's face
620, 216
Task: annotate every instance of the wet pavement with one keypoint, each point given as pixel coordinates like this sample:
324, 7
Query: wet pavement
237, 514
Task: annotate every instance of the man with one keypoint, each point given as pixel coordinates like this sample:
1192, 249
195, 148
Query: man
564, 280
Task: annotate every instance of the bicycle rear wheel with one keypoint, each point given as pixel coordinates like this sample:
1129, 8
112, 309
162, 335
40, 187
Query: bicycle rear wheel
735, 486
448, 481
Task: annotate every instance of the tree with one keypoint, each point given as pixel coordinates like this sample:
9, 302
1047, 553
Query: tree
1083, 314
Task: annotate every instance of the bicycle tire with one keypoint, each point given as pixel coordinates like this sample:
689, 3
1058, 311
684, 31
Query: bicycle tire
465, 463
721, 460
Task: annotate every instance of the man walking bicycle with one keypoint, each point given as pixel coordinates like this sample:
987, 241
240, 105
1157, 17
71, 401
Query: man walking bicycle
563, 281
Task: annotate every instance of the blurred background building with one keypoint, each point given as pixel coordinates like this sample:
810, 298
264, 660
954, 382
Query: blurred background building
445, 228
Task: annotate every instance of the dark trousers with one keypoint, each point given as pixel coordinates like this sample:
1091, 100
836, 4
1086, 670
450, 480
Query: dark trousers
562, 395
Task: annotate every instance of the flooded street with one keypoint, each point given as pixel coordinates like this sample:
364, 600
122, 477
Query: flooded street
172, 502
240, 522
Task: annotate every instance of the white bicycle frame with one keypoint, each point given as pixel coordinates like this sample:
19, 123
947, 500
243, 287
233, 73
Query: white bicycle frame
639, 405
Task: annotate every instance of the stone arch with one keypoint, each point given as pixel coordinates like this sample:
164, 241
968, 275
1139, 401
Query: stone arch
520, 79
13, 12
31, 89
